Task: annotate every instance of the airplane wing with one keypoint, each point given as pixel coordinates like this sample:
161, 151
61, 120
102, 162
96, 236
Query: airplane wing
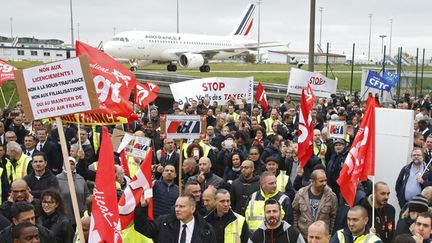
209, 53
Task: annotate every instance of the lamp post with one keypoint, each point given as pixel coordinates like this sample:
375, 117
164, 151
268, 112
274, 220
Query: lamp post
72, 28
321, 10
11, 27
259, 31
382, 43
312, 35
370, 32
391, 34
178, 30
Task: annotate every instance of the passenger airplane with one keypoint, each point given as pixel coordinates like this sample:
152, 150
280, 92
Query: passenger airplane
189, 50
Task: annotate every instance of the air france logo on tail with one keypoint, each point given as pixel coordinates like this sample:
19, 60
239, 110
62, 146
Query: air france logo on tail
246, 21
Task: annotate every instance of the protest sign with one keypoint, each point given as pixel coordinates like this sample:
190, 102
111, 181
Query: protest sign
6, 72
321, 85
182, 126
56, 89
141, 146
215, 89
386, 82
337, 129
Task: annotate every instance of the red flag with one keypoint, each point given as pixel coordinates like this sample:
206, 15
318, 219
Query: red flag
305, 136
124, 162
105, 221
360, 161
152, 87
113, 82
6, 72
132, 194
261, 97
144, 95
310, 97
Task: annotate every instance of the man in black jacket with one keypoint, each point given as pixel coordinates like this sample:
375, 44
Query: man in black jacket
273, 229
243, 187
40, 178
24, 212
180, 226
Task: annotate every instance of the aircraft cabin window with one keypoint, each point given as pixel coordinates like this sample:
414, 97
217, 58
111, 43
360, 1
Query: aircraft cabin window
126, 39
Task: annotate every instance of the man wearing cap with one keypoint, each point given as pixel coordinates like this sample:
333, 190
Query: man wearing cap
283, 182
384, 212
334, 165
411, 178
315, 202
417, 205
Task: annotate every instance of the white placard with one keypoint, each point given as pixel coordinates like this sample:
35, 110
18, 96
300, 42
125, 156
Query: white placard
321, 85
215, 89
56, 89
140, 147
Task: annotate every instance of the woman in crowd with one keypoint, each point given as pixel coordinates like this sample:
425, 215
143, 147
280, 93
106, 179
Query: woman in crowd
53, 216
233, 171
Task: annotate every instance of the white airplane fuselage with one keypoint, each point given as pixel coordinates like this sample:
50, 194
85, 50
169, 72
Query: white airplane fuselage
164, 46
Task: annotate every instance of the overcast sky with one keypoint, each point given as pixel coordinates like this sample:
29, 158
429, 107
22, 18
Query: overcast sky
343, 21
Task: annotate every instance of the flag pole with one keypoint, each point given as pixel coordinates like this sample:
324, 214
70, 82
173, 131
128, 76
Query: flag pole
70, 179
373, 201
79, 132
10, 100
181, 168
426, 168
253, 97
4, 99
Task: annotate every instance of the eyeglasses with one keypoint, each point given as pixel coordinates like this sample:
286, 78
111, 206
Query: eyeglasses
253, 153
48, 202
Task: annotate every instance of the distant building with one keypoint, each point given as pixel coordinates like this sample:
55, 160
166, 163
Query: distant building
32, 49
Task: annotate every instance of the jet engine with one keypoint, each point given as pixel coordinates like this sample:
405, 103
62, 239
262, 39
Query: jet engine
190, 60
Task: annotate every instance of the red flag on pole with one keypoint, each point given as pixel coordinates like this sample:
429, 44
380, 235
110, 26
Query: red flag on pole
144, 94
305, 136
6, 72
124, 162
261, 97
152, 87
112, 80
360, 162
105, 222
310, 97
141, 183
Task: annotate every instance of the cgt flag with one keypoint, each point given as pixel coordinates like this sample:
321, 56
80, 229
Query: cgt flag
6, 72
261, 97
141, 183
360, 162
105, 221
144, 94
310, 97
113, 82
305, 136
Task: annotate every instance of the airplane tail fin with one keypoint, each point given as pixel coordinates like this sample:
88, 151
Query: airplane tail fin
243, 29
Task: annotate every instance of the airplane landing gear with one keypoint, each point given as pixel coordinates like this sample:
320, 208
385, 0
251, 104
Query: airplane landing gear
171, 68
204, 68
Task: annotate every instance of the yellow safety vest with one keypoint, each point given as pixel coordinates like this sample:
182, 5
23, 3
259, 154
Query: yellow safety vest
282, 181
9, 171
1, 172
234, 115
21, 167
233, 230
320, 152
269, 126
96, 139
369, 238
255, 210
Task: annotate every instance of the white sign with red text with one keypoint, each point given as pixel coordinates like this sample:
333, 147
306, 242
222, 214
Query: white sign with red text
57, 88
215, 89
321, 85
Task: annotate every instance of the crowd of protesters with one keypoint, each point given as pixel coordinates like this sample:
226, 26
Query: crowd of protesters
240, 183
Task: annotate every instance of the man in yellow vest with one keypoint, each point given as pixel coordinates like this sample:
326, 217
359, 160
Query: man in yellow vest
357, 232
255, 210
268, 123
19, 160
283, 182
319, 148
230, 227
